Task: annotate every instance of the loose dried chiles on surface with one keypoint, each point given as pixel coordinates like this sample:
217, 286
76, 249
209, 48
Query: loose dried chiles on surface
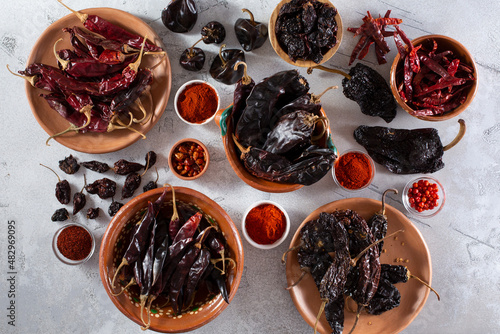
69, 165
250, 33
93, 213
63, 189
60, 215
104, 188
222, 68
192, 59
180, 15
213, 32
96, 166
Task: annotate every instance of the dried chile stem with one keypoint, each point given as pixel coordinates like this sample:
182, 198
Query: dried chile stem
58, 178
331, 70
240, 147
321, 309
317, 98
191, 53
305, 271
283, 257
139, 104
223, 259
82, 17
32, 79
252, 21
72, 127
360, 308
356, 259
325, 122
424, 283
130, 283
459, 136
382, 211
148, 310
122, 125
64, 63
224, 62
246, 79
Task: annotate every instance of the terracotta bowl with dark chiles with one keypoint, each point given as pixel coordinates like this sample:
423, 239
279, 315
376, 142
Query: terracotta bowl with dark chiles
205, 305
442, 79
284, 31
188, 159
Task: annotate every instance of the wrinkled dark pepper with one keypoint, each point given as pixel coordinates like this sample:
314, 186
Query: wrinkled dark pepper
60, 215
250, 33
180, 15
192, 59
222, 68
213, 33
104, 188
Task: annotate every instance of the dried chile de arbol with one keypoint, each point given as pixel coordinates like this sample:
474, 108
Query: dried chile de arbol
60, 215
404, 151
180, 15
69, 165
192, 59
63, 190
104, 188
96, 166
213, 32
250, 33
222, 68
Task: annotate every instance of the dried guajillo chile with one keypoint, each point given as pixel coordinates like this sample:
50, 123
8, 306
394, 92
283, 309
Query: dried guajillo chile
180, 15
110, 31
250, 33
404, 151
193, 59
378, 222
63, 190
272, 93
368, 89
222, 68
213, 32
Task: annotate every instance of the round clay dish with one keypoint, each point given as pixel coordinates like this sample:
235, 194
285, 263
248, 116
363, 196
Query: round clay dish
53, 123
171, 154
409, 245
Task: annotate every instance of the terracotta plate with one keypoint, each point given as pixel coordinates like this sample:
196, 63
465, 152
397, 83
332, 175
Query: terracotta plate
53, 123
408, 246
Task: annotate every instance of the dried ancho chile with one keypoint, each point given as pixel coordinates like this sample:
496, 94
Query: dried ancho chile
60, 215
222, 68
180, 15
306, 29
93, 213
250, 33
404, 151
114, 207
192, 59
69, 165
213, 32
104, 188
96, 166
63, 190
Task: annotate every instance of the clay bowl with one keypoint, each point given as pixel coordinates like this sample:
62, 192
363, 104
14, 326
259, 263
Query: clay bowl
171, 157
223, 120
408, 246
444, 43
113, 246
93, 142
301, 63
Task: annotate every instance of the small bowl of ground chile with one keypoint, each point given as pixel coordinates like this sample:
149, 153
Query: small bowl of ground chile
188, 159
73, 244
353, 170
196, 102
265, 224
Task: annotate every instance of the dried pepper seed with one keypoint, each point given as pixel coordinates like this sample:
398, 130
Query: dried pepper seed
96, 166
63, 190
124, 167
114, 208
69, 165
104, 188
93, 213
60, 215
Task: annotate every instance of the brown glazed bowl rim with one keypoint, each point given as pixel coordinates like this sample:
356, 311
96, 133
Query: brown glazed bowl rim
460, 51
210, 310
171, 153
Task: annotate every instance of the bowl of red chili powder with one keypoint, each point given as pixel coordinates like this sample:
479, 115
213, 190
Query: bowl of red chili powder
265, 224
196, 102
353, 170
73, 244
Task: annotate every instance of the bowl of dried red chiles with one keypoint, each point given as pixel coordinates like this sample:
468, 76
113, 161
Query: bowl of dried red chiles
171, 260
433, 77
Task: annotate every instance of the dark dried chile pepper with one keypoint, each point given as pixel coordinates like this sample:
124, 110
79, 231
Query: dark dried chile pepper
125, 98
180, 15
401, 274
60, 215
404, 151
386, 298
63, 190
96, 166
150, 159
196, 271
213, 32
222, 68
378, 222
93, 213
192, 59
242, 90
104, 188
69, 165
132, 182
189, 228
124, 167
250, 33
147, 272
151, 184
114, 207
79, 200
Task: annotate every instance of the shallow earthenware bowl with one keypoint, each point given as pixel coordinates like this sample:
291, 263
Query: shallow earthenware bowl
223, 120
299, 62
444, 43
112, 248
171, 156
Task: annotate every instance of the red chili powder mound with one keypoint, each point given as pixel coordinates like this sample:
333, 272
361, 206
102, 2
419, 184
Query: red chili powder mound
265, 224
353, 170
197, 103
74, 243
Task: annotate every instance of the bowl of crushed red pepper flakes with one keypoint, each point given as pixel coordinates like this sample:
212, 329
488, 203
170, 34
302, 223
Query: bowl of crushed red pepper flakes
424, 197
265, 224
188, 159
73, 244
196, 102
354, 170
433, 77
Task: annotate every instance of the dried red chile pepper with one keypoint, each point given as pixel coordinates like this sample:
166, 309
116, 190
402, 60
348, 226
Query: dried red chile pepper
180, 15
213, 32
250, 33
222, 68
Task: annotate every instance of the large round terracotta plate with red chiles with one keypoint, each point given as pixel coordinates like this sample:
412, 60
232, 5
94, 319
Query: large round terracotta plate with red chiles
408, 245
53, 123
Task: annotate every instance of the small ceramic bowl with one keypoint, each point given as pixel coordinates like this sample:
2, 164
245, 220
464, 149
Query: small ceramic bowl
277, 242
372, 165
172, 164
444, 43
299, 62
64, 259
182, 89
425, 213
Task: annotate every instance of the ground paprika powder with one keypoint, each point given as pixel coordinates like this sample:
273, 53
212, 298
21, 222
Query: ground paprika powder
197, 103
74, 243
265, 224
353, 170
